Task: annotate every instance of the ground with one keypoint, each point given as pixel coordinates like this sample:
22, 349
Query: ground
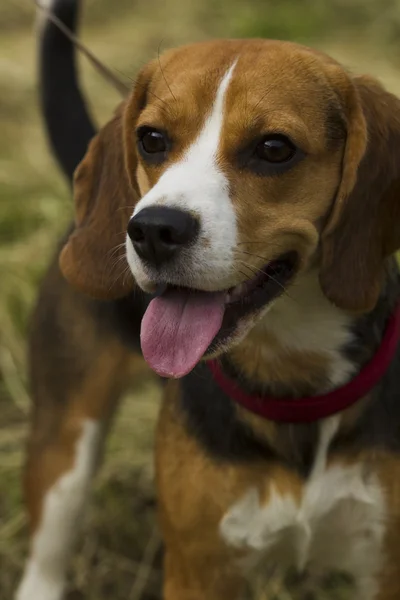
119, 555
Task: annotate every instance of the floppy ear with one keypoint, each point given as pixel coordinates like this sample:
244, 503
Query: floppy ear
364, 226
92, 259
105, 192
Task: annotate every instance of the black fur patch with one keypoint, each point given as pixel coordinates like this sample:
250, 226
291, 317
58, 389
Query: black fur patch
212, 418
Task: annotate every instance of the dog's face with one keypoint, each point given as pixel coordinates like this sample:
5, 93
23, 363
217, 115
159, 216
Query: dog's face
245, 157
250, 147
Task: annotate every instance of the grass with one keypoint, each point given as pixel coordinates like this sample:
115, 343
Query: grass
119, 555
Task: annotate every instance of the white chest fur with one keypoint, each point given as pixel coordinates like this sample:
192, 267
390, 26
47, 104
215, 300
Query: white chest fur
337, 525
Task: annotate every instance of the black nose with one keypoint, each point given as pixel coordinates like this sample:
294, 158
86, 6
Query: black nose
159, 233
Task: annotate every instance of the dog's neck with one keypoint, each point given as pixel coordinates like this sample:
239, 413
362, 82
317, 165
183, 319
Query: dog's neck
306, 346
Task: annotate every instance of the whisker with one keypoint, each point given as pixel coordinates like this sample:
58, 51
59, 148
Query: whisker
274, 271
113, 266
109, 262
136, 82
113, 260
119, 259
244, 274
162, 72
252, 269
122, 275
113, 252
255, 255
126, 273
246, 98
125, 75
264, 258
249, 242
256, 270
260, 100
117, 247
125, 207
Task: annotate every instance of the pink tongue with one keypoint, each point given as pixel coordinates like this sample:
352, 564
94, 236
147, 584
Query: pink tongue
177, 329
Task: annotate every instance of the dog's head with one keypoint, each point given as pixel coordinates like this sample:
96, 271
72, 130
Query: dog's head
233, 167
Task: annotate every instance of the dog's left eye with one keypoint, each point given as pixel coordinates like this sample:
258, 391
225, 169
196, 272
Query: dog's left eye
152, 143
275, 149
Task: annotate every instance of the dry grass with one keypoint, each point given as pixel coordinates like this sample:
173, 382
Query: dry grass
119, 554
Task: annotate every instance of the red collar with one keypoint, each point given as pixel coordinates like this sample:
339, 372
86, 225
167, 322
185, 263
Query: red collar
305, 410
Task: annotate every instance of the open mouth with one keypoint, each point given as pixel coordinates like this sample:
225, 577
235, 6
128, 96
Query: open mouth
181, 324
254, 290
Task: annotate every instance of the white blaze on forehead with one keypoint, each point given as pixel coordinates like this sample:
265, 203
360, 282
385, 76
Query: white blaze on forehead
204, 150
197, 184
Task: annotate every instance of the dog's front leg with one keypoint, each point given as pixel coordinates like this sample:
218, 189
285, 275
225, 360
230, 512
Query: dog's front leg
194, 492
78, 369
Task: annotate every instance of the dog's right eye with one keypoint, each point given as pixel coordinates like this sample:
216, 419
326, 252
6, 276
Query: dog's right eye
275, 149
152, 144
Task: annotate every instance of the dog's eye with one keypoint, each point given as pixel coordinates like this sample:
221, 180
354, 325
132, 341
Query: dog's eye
153, 144
275, 149
152, 141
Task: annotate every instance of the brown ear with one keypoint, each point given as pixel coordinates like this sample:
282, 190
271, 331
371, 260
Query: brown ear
105, 192
364, 226
93, 258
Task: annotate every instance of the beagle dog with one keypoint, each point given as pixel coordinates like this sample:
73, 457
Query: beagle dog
235, 224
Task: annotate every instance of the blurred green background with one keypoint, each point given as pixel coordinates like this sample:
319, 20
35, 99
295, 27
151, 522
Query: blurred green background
121, 544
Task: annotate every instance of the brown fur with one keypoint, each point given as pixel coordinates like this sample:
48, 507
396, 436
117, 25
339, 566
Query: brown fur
90, 259
389, 475
363, 229
338, 209
78, 371
196, 566
282, 368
